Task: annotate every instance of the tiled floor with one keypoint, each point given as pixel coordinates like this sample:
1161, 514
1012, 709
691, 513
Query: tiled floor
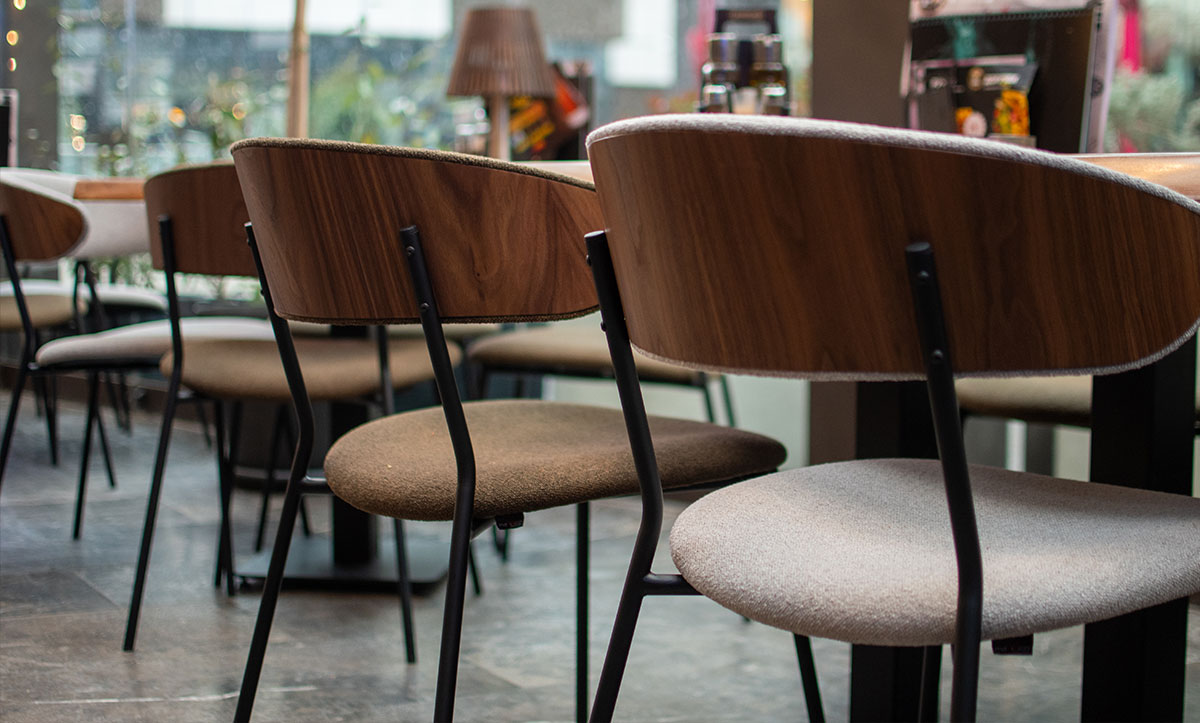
340, 656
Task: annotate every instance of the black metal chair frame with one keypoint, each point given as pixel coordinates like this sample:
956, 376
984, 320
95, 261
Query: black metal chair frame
641, 581
227, 451
464, 525
300, 483
27, 367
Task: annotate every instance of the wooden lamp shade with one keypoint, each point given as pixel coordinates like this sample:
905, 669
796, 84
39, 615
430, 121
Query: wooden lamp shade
499, 56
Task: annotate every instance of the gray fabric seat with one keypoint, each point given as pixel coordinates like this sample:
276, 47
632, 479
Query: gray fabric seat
403, 466
861, 551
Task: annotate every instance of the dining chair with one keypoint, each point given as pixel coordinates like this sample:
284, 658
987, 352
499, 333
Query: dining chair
196, 217
840, 251
40, 223
360, 234
85, 301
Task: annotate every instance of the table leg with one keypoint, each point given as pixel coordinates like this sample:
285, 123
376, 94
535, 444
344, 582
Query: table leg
1142, 432
892, 420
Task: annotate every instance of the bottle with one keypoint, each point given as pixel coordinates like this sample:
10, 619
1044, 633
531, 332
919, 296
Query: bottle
768, 67
773, 100
721, 68
714, 99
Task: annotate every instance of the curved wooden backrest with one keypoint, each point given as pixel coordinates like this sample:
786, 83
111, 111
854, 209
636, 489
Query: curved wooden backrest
41, 226
501, 242
208, 218
777, 246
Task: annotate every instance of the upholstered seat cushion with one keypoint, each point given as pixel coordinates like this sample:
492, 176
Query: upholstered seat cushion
1051, 400
566, 349
45, 310
148, 340
131, 297
334, 368
529, 455
861, 551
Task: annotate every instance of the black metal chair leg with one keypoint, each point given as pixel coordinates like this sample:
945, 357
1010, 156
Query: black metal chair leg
808, 678
160, 462
220, 439
118, 399
305, 528
269, 481
203, 417
105, 449
618, 653
582, 565
405, 585
473, 568
81, 493
452, 618
270, 597
50, 408
500, 542
226, 471
931, 668
708, 402
724, 382
964, 679
11, 423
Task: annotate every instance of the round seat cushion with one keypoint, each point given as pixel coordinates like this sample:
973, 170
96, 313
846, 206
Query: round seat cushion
147, 341
529, 455
45, 310
567, 350
861, 551
333, 368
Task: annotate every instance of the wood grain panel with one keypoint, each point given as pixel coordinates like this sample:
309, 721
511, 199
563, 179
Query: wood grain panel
785, 254
41, 228
208, 219
500, 243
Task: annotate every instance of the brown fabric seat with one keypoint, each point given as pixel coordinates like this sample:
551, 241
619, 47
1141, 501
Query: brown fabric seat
1049, 400
333, 368
568, 350
529, 455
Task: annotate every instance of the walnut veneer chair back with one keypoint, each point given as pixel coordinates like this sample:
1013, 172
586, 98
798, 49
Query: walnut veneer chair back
207, 216
725, 234
487, 261
41, 225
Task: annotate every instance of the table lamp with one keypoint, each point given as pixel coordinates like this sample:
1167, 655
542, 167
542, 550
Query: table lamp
499, 56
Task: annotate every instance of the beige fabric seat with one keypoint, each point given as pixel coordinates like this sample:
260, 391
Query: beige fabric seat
403, 466
567, 350
45, 310
150, 339
1048, 400
333, 368
861, 551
